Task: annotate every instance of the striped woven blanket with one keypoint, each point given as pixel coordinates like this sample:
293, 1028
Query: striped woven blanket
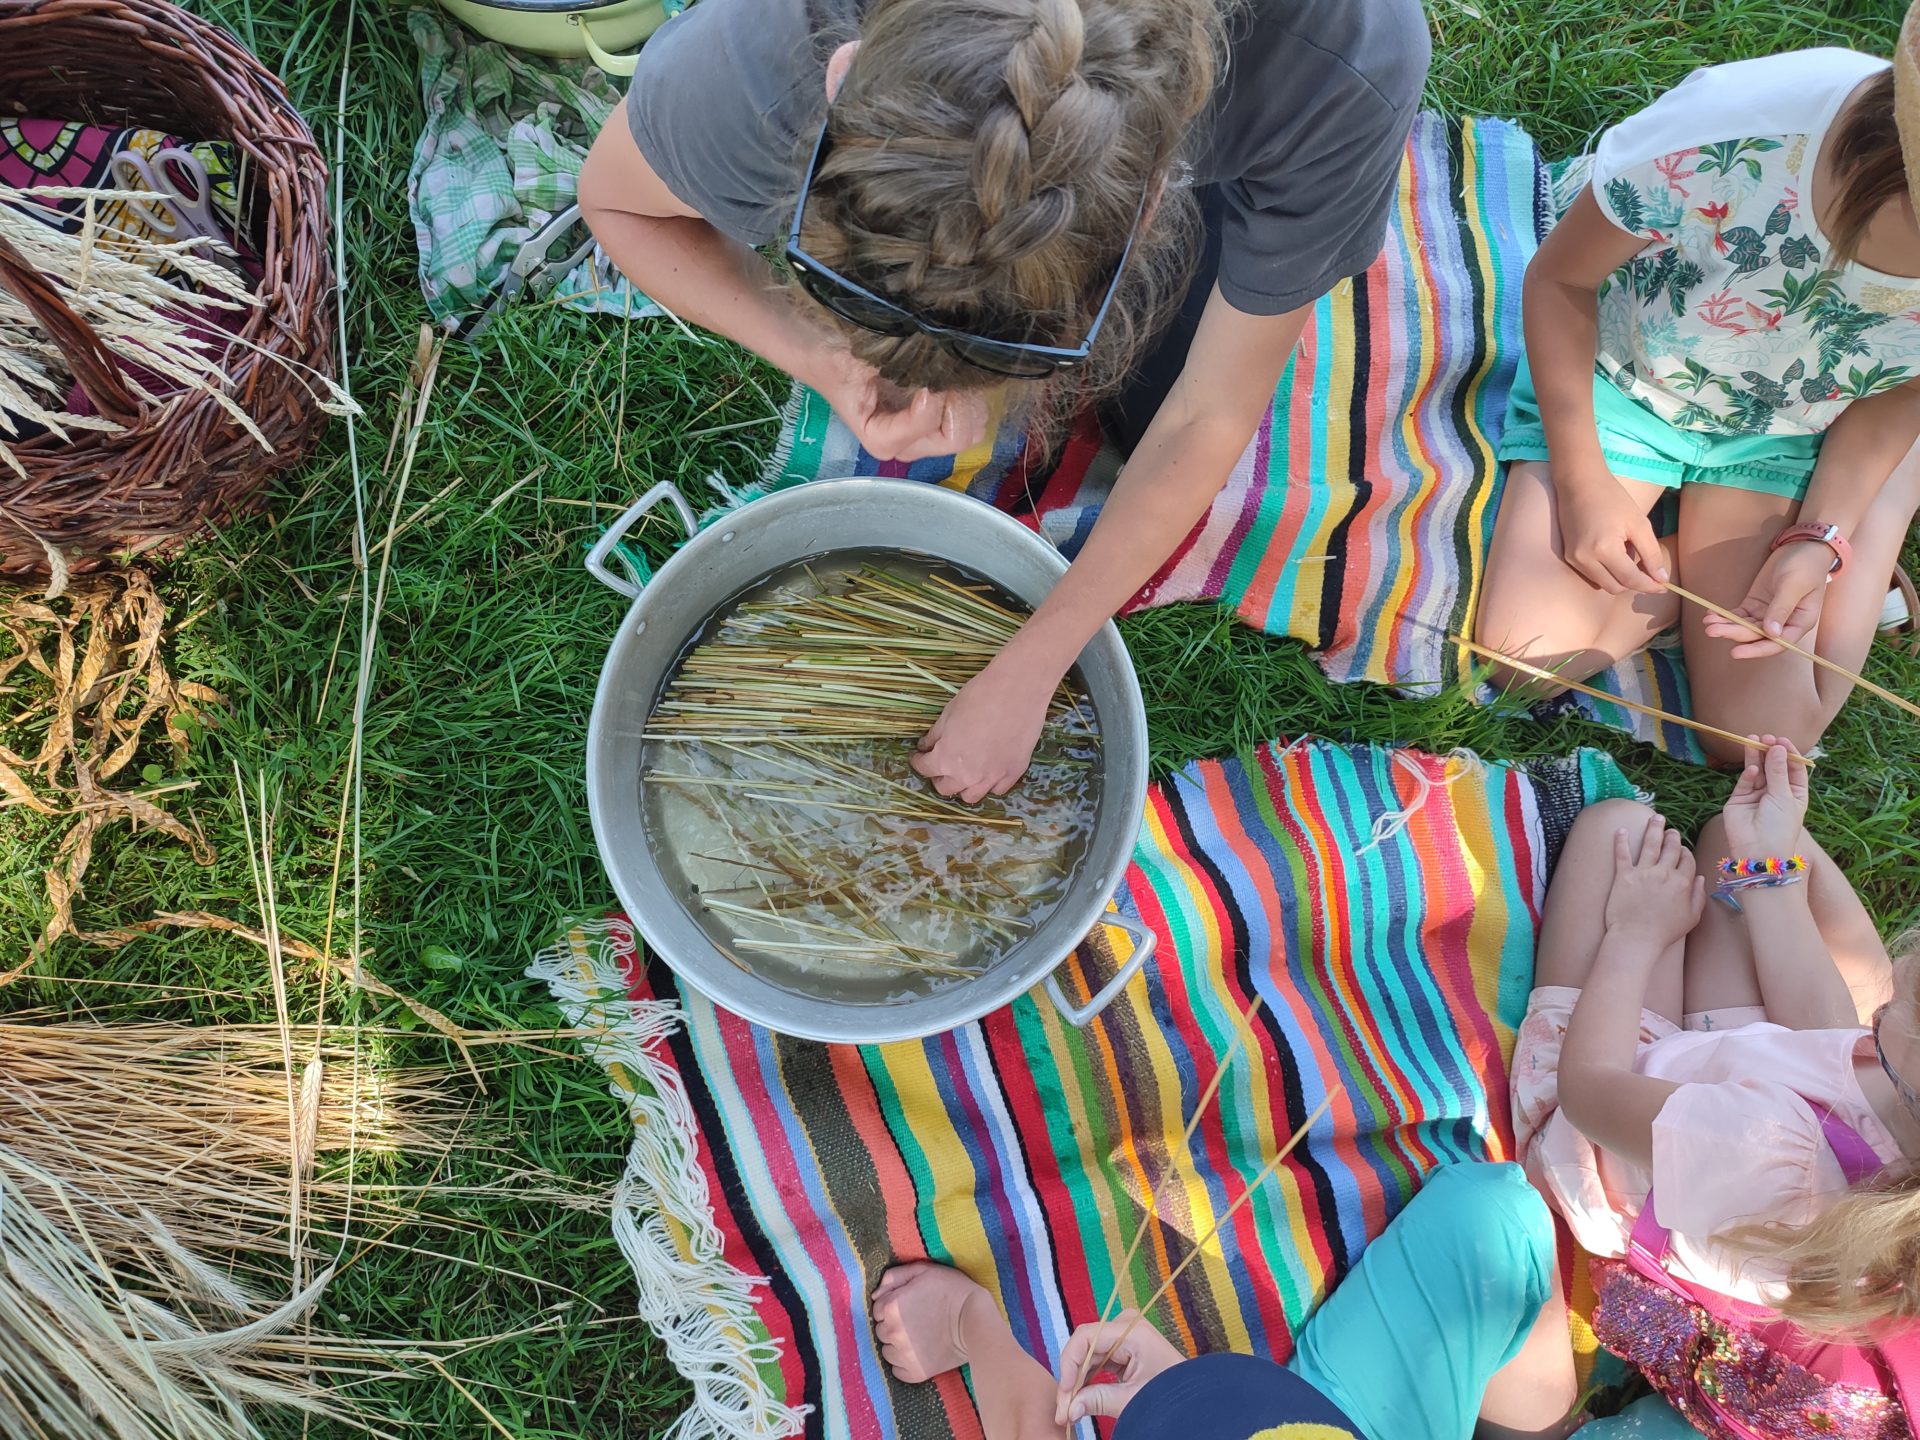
1358, 519
1382, 903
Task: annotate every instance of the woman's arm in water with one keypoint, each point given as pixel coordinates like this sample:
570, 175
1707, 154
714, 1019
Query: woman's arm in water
983, 741
665, 247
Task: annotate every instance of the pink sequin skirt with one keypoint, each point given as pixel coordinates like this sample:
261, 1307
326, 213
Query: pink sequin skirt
1727, 1382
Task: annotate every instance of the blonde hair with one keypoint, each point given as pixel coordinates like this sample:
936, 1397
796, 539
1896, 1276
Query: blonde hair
988, 160
1853, 1272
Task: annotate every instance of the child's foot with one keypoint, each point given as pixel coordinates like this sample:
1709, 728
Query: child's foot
917, 1314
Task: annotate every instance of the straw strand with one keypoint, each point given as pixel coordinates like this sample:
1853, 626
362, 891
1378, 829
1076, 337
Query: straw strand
1526, 668
1785, 644
1153, 1191
1200, 1246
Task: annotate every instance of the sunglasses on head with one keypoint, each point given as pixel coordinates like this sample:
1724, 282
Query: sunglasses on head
1900, 1086
857, 305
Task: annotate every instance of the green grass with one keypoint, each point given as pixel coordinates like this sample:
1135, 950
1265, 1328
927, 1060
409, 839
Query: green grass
475, 824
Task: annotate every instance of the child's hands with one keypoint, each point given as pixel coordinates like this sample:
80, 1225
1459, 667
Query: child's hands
1606, 537
1138, 1358
1784, 602
1656, 897
1768, 808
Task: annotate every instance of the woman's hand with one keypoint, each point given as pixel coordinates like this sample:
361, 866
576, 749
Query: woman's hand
1656, 898
894, 425
1606, 537
1767, 811
1783, 602
1136, 1360
983, 741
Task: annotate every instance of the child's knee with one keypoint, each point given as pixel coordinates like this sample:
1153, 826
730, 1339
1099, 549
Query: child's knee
1800, 719
1491, 1219
1603, 817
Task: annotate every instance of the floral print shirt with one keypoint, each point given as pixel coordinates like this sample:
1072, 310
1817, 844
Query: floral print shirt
1732, 320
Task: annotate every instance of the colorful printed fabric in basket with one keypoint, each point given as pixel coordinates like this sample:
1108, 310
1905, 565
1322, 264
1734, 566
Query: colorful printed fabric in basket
1359, 518
1383, 904
36, 153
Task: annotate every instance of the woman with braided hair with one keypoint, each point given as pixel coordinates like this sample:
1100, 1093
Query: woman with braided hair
1129, 201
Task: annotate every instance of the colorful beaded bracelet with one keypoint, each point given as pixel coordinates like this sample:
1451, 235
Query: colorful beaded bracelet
1763, 866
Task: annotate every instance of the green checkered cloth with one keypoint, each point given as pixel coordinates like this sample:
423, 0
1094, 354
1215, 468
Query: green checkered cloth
500, 154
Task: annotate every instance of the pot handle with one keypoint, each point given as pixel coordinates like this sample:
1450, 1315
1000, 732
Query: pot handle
605, 546
1080, 1016
621, 65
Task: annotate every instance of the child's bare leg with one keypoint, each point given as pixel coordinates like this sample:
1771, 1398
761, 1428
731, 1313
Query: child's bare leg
1536, 607
1724, 535
1574, 920
1719, 967
930, 1319
1534, 1394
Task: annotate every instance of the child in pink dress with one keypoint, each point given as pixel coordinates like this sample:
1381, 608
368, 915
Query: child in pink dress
1691, 1047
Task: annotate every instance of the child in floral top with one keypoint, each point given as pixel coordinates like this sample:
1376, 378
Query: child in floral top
1731, 310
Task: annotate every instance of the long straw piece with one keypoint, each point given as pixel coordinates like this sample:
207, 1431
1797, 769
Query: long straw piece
1153, 1190
1814, 656
1534, 670
1200, 1246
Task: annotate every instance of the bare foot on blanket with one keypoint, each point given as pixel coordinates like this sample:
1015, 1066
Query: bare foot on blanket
918, 1311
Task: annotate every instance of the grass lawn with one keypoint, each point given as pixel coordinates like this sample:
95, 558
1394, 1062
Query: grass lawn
474, 831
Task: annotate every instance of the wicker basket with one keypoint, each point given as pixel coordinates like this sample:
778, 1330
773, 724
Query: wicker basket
185, 462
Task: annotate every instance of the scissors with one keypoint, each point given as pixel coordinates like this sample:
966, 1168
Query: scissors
534, 266
183, 211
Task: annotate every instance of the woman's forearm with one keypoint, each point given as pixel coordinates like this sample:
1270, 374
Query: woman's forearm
1180, 465
704, 278
1166, 487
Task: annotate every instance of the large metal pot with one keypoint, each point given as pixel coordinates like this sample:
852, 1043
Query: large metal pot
715, 566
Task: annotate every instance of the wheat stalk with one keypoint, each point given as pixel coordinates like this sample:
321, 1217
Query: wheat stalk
1527, 668
1785, 644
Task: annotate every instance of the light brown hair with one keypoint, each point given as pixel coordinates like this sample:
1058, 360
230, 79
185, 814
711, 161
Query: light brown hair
1868, 164
989, 158
1853, 1272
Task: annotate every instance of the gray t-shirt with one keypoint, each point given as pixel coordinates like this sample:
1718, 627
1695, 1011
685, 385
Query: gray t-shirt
1305, 137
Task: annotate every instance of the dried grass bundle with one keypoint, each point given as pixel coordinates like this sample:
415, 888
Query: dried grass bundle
870, 653
157, 1185
789, 729
92, 1347
149, 340
113, 1107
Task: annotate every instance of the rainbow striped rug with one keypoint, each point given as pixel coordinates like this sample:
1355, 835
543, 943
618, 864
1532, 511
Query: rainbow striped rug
1359, 518
1382, 903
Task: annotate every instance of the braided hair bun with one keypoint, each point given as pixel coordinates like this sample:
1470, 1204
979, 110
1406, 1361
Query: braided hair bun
989, 158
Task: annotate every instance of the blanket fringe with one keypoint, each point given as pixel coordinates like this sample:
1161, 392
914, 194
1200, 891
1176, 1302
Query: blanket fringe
689, 1294
777, 462
1387, 826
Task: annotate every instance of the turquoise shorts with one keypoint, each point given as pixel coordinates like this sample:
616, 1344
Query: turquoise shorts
1639, 445
1405, 1345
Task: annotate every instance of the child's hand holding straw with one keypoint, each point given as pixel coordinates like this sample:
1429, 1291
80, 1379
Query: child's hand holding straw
1767, 811
1134, 1351
1783, 602
1605, 536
